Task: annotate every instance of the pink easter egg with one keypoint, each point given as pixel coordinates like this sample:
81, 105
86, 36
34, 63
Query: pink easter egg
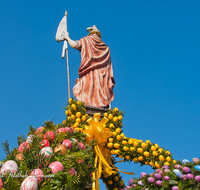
29, 183
24, 146
157, 176
67, 143
49, 135
72, 129
61, 130
82, 146
1, 183
143, 174
151, 180
56, 166
67, 129
46, 151
71, 171
45, 143
9, 166
190, 176
197, 178
38, 173
39, 130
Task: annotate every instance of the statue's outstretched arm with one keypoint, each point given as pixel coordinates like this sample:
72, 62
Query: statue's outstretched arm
72, 43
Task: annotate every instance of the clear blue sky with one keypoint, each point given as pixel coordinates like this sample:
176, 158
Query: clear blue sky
155, 51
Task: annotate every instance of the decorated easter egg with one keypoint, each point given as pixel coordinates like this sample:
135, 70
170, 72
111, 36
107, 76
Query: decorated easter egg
151, 180
174, 188
178, 174
81, 146
176, 171
62, 148
39, 130
56, 166
166, 170
195, 160
19, 157
186, 170
177, 166
9, 166
74, 140
67, 143
197, 167
157, 176
24, 147
47, 152
197, 178
71, 171
1, 183
166, 178
29, 183
49, 135
184, 177
185, 161
61, 130
29, 139
67, 129
131, 181
165, 167
72, 129
38, 173
45, 143
143, 174
159, 183
190, 176
140, 183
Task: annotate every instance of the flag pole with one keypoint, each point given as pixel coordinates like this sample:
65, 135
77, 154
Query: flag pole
67, 63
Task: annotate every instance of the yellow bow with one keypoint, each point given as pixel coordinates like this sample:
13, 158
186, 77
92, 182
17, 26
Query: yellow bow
97, 131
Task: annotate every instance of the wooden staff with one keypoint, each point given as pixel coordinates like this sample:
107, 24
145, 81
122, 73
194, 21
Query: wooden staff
67, 62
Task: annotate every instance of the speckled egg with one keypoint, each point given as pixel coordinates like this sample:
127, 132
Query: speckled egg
29, 183
38, 173
56, 166
9, 166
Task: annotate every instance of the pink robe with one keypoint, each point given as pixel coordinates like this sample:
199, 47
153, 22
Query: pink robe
96, 82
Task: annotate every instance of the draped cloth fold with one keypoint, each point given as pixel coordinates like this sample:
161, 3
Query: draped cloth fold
96, 81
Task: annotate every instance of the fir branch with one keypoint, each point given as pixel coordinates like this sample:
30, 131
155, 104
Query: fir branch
21, 139
6, 147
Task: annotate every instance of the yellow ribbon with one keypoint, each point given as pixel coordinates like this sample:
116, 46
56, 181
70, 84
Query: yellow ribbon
97, 131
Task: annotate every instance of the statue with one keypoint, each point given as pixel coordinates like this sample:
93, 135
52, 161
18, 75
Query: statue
95, 83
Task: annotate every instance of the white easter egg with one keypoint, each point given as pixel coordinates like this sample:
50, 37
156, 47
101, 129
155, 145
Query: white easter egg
30, 183
9, 166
